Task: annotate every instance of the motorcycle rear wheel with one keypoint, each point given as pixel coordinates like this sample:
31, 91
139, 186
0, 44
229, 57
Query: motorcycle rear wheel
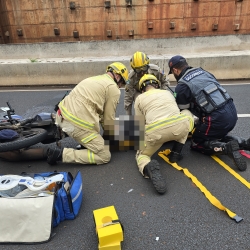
26, 139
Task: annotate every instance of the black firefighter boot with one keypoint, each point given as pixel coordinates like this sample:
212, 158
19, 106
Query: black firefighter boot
175, 154
54, 154
243, 143
230, 148
152, 170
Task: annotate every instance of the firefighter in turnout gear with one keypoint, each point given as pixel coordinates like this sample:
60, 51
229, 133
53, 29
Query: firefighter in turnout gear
200, 92
163, 122
140, 66
91, 102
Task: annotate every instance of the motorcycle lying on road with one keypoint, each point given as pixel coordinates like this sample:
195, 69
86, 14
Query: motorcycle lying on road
27, 132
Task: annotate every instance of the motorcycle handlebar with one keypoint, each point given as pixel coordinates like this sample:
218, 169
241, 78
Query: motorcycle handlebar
11, 110
24, 122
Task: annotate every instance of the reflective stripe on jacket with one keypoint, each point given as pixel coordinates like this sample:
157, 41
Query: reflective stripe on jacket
67, 115
165, 122
91, 102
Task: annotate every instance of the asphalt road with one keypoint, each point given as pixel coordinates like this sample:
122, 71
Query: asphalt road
183, 218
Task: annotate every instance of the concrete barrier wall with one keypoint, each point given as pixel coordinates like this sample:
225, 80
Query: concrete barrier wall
168, 46
63, 64
63, 73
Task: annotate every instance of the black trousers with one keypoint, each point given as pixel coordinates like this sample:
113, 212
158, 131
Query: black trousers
215, 125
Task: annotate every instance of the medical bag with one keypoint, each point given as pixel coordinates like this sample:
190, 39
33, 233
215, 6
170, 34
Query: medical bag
32, 204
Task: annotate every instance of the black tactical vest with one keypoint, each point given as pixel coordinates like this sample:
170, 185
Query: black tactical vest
209, 95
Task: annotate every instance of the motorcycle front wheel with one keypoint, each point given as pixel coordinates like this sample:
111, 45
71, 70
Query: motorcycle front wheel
26, 139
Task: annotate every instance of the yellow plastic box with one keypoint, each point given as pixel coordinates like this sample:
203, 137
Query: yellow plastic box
108, 228
115, 246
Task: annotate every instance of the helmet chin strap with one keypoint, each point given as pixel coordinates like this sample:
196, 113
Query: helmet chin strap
114, 77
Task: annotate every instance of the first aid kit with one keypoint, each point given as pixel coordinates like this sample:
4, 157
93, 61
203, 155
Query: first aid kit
31, 204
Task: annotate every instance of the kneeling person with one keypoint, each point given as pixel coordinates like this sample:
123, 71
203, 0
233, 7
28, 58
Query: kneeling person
90, 103
163, 122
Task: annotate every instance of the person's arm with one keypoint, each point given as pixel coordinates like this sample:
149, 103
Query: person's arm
112, 100
160, 75
128, 98
183, 96
138, 111
163, 79
129, 93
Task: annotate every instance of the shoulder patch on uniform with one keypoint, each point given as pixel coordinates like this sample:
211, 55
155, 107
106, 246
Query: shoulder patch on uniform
192, 74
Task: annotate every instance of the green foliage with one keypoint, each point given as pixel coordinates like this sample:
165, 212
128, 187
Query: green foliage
33, 60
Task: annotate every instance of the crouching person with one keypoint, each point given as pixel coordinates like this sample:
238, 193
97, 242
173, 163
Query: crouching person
91, 102
200, 92
163, 122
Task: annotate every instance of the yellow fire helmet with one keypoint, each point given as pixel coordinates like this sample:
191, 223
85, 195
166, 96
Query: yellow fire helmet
139, 60
120, 69
148, 79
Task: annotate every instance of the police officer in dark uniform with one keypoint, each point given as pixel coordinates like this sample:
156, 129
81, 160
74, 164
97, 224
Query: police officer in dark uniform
199, 91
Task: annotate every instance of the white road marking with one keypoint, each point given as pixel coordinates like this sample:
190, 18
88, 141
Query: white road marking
243, 115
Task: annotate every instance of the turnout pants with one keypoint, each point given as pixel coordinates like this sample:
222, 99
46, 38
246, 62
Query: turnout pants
96, 151
155, 138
